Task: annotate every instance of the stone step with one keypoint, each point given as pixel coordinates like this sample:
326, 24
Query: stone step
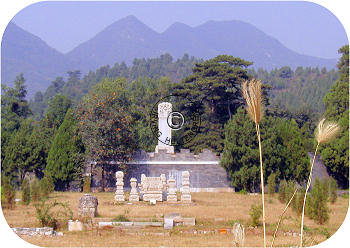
130, 224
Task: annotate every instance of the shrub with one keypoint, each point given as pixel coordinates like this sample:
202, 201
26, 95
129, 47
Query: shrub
87, 184
318, 203
271, 183
52, 214
46, 186
332, 188
290, 189
299, 201
25, 187
121, 218
50, 184
35, 190
3, 199
282, 191
255, 214
9, 193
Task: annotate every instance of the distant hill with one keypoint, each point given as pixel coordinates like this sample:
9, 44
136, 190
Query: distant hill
129, 38
124, 40
24, 52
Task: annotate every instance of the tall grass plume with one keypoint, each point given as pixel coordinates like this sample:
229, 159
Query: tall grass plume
252, 94
325, 132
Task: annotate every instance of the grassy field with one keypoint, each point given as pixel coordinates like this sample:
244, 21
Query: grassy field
211, 210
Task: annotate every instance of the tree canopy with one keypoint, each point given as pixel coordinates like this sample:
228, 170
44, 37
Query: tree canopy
215, 83
66, 156
336, 154
283, 151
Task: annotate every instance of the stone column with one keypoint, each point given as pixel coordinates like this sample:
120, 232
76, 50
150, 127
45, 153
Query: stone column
163, 179
171, 196
119, 193
134, 195
186, 195
164, 130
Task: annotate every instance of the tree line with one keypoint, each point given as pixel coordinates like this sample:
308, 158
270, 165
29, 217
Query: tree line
104, 117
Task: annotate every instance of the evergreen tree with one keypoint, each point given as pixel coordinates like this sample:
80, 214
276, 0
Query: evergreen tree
65, 156
284, 153
215, 83
14, 109
336, 154
18, 153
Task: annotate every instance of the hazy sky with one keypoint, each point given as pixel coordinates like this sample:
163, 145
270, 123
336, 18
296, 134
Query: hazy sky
301, 26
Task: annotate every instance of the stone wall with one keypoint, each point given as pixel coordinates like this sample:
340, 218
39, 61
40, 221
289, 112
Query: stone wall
206, 174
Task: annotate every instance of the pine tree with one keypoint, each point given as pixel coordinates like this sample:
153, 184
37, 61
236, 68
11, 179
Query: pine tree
65, 157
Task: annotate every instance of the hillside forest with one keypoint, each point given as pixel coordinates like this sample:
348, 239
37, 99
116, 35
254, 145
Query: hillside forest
104, 116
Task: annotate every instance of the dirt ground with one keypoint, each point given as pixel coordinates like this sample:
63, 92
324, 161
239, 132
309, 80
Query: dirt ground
211, 210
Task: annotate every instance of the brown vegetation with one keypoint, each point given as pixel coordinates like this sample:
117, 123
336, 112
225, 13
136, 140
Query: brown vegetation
212, 211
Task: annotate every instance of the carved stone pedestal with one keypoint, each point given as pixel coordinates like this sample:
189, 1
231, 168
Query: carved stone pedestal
171, 196
186, 195
119, 193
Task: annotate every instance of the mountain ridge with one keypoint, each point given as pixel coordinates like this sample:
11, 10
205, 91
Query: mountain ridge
236, 38
129, 38
23, 52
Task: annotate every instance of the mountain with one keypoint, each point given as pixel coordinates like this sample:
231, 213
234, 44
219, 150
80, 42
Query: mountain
124, 40
129, 38
23, 52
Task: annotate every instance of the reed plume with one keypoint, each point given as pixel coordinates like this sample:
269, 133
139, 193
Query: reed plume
325, 132
251, 92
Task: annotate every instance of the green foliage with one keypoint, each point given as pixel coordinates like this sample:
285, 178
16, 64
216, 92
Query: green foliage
301, 89
299, 201
318, 203
8, 193
271, 183
19, 158
282, 191
335, 155
56, 110
332, 189
105, 125
25, 143
216, 83
121, 218
66, 155
149, 69
255, 214
52, 214
3, 198
283, 151
290, 189
143, 94
25, 188
46, 186
35, 190
87, 184
14, 109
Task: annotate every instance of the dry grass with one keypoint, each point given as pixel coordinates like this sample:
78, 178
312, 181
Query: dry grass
325, 132
251, 91
206, 207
